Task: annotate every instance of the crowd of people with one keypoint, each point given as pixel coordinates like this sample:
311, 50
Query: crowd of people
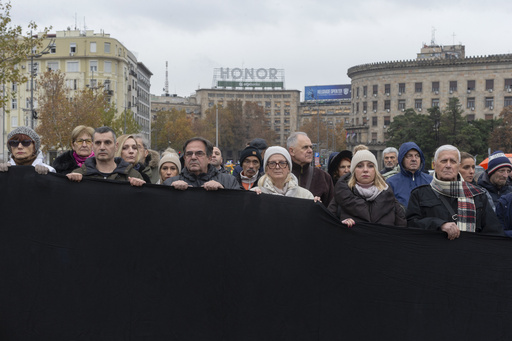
353, 189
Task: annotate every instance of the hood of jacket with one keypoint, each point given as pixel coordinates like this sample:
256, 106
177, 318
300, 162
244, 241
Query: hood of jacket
404, 149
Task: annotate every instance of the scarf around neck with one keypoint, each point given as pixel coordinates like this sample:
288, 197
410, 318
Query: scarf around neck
80, 159
369, 191
465, 193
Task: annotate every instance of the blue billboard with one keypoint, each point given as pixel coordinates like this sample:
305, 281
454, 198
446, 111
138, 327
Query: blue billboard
327, 92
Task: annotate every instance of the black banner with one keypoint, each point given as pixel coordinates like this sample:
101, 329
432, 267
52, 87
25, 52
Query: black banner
101, 260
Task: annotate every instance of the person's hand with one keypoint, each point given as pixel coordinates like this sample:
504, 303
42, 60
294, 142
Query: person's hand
451, 229
257, 190
136, 181
74, 177
349, 222
4, 166
317, 199
40, 169
212, 185
180, 184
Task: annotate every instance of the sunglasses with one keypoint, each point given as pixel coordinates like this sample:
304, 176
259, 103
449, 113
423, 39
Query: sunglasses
24, 143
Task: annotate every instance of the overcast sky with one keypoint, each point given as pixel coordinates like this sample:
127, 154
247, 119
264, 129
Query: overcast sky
315, 42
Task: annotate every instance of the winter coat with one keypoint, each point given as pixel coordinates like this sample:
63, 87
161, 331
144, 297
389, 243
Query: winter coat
404, 182
427, 211
239, 179
293, 190
37, 161
151, 166
384, 209
121, 173
495, 193
226, 180
321, 184
65, 163
504, 214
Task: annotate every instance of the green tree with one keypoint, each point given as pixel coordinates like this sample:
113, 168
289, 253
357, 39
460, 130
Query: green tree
452, 123
501, 136
338, 143
14, 48
171, 129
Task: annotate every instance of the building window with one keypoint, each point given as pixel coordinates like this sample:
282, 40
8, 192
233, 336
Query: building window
72, 48
93, 66
14, 87
221, 95
357, 92
435, 87
107, 67
489, 102
268, 104
267, 96
53, 49
72, 66
489, 85
277, 104
401, 104
14, 121
248, 96
418, 87
14, 103
277, 96
508, 84
365, 91
401, 88
106, 84
375, 121
489, 117
53, 66
453, 86
470, 117
435, 102
387, 104
365, 106
508, 101
375, 90
106, 47
418, 104
93, 47
471, 103
72, 84
387, 89
357, 107
258, 96
471, 86
387, 120
374, 106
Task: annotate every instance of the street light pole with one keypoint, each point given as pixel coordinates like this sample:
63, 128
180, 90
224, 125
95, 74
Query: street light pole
217, 126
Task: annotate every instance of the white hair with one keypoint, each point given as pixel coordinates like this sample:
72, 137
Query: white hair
444, 148
292, 139
390, 150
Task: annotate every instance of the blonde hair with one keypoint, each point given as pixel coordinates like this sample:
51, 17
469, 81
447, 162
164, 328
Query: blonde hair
360, 147
79, 130
378, 182
121, 140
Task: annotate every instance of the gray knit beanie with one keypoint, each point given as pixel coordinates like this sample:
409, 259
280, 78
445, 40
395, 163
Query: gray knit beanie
363, 155
26, 131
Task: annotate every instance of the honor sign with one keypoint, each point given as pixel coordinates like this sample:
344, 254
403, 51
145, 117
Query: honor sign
248, 78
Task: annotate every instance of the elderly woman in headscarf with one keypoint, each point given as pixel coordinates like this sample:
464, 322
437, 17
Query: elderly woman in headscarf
24, 144
366, 197
81, 150
278, 178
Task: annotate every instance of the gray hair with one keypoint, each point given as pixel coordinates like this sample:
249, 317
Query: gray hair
446, 147
390, 150
103, 130
145, 141
292, 139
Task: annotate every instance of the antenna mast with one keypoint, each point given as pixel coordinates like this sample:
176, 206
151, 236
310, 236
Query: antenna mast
166, 89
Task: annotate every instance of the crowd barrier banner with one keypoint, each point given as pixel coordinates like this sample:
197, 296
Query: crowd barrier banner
100, 260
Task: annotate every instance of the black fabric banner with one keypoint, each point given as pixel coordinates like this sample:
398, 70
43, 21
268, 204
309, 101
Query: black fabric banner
100, 260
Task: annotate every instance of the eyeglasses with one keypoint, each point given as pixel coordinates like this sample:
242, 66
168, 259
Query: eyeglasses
81, 141
199, 153
24, 143
273, 164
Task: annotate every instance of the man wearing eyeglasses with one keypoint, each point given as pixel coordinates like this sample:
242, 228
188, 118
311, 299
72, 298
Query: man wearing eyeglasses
250, 159
411, 175
198, 172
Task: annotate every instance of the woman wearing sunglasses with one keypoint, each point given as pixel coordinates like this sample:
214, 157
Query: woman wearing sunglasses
278, 178
24, 144
81, 150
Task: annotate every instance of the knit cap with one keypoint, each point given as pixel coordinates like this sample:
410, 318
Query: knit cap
497, 160
26, 131
363, 155
277, 150
250, 151
170, 157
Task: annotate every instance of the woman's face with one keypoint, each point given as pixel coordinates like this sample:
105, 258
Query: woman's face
168, 170
279, 172
129, 151
365, 172
467, 169
83, 145
343, 167
18, 150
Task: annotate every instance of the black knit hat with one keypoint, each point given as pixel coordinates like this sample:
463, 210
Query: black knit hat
250, 151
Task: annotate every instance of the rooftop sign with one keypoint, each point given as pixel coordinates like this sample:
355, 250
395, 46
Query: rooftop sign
248, 78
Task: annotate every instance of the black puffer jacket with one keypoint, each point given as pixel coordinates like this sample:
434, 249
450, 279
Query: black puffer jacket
65, 163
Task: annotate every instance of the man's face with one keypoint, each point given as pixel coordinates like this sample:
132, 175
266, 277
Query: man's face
302, 152
447, 165
412, 161
390, 160
499, 177
216, 160
196, 160
104, 146
250, 166
143, 152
